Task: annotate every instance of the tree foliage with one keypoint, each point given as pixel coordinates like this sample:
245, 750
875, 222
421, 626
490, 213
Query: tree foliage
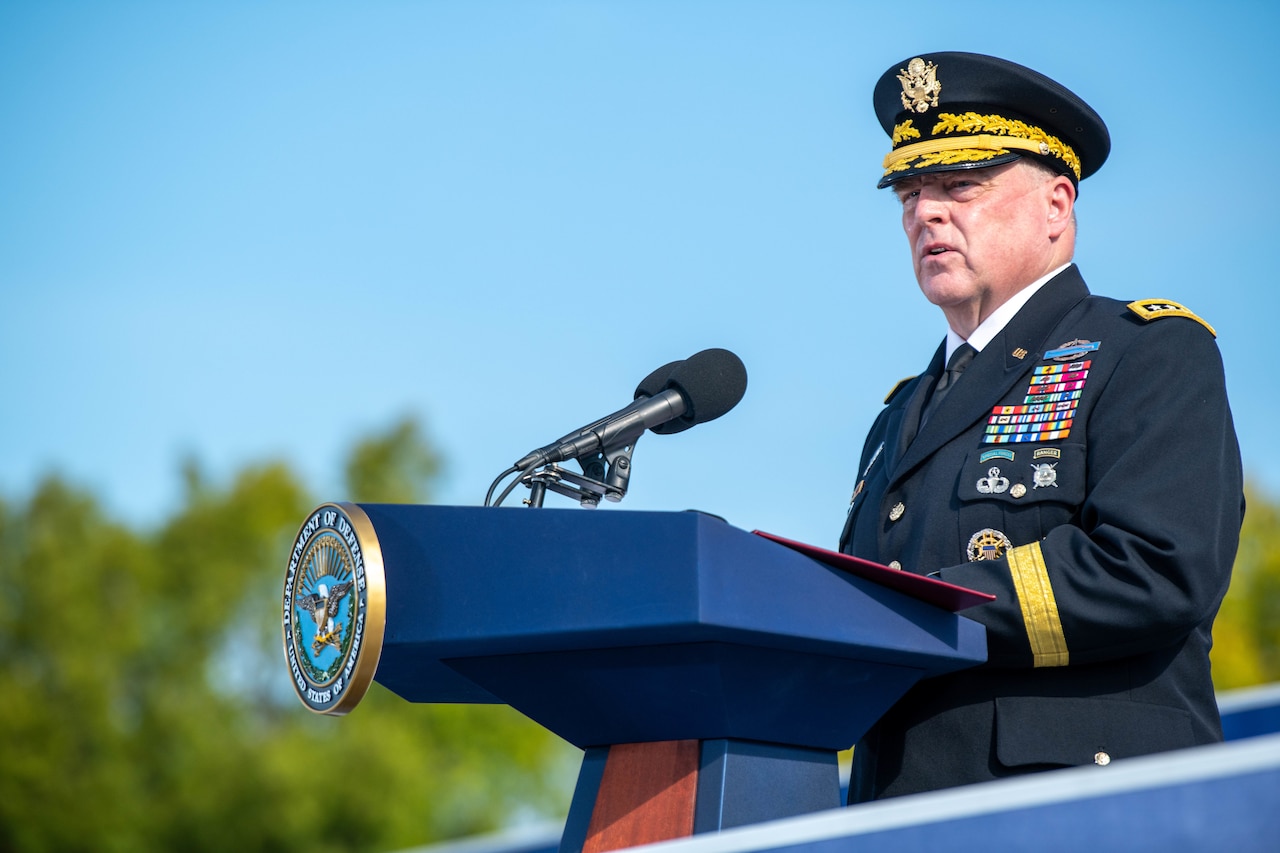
144, 702
1246, 637
398, 467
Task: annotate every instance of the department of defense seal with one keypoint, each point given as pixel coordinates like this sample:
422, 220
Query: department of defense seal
335, 605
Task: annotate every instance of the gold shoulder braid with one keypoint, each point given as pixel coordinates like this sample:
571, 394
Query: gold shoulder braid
1154, 309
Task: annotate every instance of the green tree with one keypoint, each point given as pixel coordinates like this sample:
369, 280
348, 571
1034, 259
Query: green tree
1246, 635
398, 467
144, 702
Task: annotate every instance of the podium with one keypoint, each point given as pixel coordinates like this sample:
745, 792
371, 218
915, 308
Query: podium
709, 675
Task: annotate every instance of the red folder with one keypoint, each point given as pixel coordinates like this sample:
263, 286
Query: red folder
932, 590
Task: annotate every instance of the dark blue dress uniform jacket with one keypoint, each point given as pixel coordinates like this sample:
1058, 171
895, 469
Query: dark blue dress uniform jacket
1115, 543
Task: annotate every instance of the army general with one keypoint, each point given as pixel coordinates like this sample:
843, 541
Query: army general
1072, 454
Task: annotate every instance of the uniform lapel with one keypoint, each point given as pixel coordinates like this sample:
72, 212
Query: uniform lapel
993, 372
910, 421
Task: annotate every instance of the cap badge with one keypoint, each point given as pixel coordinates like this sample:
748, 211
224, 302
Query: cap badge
920, 86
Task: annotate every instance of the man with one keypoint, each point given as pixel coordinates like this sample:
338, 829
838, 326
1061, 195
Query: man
1082, 467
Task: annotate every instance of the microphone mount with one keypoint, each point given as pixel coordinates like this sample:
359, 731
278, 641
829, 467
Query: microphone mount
604, 475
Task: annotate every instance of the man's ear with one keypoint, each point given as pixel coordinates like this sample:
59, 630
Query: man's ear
1062, 200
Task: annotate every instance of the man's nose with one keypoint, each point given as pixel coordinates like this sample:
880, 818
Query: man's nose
932, 204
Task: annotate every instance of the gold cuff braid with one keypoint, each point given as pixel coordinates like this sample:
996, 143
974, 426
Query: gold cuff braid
1039, 608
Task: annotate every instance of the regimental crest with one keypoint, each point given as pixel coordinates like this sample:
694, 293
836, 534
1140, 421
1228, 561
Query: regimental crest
334, 612
920, 85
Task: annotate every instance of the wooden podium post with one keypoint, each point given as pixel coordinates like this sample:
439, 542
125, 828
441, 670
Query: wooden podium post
648, 793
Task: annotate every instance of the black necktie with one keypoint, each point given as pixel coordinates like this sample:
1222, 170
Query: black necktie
955, 366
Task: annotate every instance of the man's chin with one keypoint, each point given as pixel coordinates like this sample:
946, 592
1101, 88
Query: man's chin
945, 290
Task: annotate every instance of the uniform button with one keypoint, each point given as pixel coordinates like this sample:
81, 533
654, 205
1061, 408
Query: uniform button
1018, 490
896, 513
1101, 759
894, 564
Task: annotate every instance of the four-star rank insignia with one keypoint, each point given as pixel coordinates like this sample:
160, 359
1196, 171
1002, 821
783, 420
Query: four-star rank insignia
1154, 309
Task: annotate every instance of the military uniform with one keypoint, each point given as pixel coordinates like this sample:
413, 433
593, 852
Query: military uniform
1084, 469
1106, 529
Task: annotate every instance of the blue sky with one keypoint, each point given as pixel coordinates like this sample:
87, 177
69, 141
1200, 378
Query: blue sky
242, 231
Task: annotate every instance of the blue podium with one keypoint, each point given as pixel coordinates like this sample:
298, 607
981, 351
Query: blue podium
710, 675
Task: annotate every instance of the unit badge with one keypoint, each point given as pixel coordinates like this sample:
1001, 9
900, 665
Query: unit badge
920, 86
334, 608
988, 544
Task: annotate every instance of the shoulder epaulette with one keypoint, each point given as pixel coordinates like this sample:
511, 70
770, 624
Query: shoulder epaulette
896, 389
1154, 309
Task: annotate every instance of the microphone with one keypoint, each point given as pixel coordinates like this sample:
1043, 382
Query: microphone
712, 382
655, 383
671, 399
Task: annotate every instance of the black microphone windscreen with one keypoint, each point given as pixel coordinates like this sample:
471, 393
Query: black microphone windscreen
712, 382
655, 383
